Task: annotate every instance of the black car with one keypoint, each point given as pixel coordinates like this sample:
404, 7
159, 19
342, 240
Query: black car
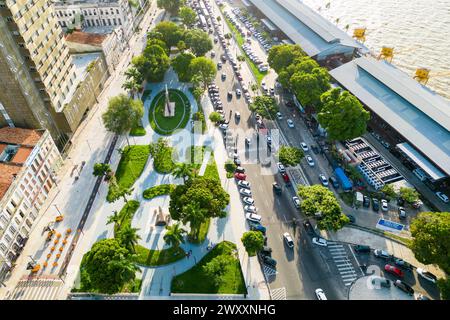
375, 204
266, 251
223, 58
404, 287
403, 264
315, 149
269, 261
230, 95
361, 248
351, 218
308, 227
334, 182
366, 202
277, 188
239, 170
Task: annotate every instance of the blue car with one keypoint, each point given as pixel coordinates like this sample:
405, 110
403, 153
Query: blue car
257, 227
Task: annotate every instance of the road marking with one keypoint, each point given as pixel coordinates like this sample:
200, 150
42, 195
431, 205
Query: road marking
278, 293
357, 261
339, 256
347, 273
345, 268
269, 271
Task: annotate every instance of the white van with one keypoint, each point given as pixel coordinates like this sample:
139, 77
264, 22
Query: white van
420, 174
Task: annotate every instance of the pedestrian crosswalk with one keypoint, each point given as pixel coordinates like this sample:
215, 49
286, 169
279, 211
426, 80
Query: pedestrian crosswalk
278, 293
269, 271
343, 263
36, 289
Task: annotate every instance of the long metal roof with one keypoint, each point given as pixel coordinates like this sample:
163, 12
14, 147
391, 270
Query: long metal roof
304, 26
418, 114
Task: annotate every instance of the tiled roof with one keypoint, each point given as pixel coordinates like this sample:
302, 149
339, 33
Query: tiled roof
6, 177
20, 136
86, 38
22, 155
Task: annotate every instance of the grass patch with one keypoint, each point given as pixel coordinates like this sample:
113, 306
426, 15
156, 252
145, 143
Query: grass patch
196, 281
157, 191
131, 165
202, 232
240, 40
347, 197
151, 258
167, 125
126, 215
138, 131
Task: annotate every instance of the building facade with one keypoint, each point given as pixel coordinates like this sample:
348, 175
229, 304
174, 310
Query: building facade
28, 162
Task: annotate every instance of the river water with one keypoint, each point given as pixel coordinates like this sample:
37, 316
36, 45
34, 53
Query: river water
419, 31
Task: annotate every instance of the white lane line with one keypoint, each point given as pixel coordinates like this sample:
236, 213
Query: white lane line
343, 273
348, 276
340, 260
339, 256
347, 267
357, 261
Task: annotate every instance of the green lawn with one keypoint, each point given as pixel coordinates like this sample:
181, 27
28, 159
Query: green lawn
126, 215
240, 40
167, 125
130, 167
157, 191
196, 281
202, 232
150, 258
137, 131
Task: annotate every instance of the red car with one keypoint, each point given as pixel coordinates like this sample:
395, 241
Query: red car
240, 176
395, 271
285, 177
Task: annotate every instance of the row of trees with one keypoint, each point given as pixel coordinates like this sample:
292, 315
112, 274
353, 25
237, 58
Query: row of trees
410, 195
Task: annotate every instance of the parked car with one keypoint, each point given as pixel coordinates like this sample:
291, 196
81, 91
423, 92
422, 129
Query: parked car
277, 188
281, 167
378, 282
244, 184
442, 196
290, 123
404, 287
253, 217
258, 227
319, 241
310, 161
247, 141
384, 205
393, 270
320, 294
238, 92
296, 201
334, 182
288, 239
269, 261
315, 149
308, 227
401, 213
403, 264
251, 209
323, 180
351, 218
286, 178
375, 204
366, 202
240, 176
304, 146
239, 169
382, 254
361, 248
224, 76
266, 251
223, 126
426, 275
245, 192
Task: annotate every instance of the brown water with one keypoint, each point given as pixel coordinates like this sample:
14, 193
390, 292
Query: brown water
419, 31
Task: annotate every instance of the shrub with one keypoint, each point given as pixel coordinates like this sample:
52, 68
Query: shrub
157, 191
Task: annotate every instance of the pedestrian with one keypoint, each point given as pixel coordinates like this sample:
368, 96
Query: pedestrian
190, 251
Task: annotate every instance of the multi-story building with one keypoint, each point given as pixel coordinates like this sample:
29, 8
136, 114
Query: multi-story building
28, 160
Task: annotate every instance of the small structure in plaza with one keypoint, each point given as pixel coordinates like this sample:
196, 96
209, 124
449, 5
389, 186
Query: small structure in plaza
160, 218
169, 108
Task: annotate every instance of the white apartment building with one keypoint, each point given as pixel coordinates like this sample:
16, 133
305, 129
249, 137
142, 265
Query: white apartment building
28, 160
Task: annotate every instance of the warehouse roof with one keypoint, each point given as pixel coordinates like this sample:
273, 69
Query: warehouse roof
418, 114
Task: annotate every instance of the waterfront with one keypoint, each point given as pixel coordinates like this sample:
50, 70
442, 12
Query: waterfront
418, 30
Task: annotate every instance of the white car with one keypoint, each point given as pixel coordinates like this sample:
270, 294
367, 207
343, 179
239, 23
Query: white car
304, 146
281, 167
310, 161
244, 184
279, 116
296, 201
248, 200
245, 192
381, 254
223, 126
426, 275
290, 123
238, 92
251, 209
384, 205
288, 239
320, 294
442, 196
323, 179
253, 217
319, 241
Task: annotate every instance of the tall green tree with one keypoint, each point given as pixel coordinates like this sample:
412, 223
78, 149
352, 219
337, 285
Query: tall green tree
122, 114
265, 106
410, 195
101, 169
174, 235
114, 218
171, 6
198, 41
389, 191
217, 267
318, 199
181, 66
215, 117
253, 242
158, 42
431, 241
309, 86
128, 237
156, 63
283, 55
188, 16
444, 288
290, 156
195, 215
182, 170
204, 69
109, 266
342, 115
168, 32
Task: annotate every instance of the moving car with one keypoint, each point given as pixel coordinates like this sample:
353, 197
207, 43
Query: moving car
442, 196
286, 178
290, 123
237, 115
244, 184
361, 248
404, 287
224, 76
245, 192
240, 176
323, 180
238, 92
320, 294
288, 239
394, 270
378, 282
384, 205
279, 116
281, 167
426, 275
319, 241
253, 217
351, 218
277, 188
401, 213
296, 201
310, 161
381, 254
248, 200
304, 146
230, 95
251, 209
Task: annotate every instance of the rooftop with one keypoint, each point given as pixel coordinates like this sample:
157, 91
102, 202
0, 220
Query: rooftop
7, 173
86, 38
20, 136
421, 116
304, 26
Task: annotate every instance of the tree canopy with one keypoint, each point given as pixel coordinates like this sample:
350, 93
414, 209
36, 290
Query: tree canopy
217, 267
188, 16
204, 70
171, 6
265, 106
168, 32
308, 87
181, 65
318, 199
342, 115
122, 114
215, 117
431, 241
290, 156
155, 63
283, 55
108, 266
410, 195
253, 242
199, 41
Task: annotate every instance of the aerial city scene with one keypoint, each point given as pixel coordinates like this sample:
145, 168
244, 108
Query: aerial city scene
235, 150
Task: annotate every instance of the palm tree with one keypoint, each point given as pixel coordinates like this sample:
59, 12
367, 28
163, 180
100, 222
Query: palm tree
128, 237
182, 170
126, 267
124, 192
114, 218
195, 215
174, 235
132, 86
